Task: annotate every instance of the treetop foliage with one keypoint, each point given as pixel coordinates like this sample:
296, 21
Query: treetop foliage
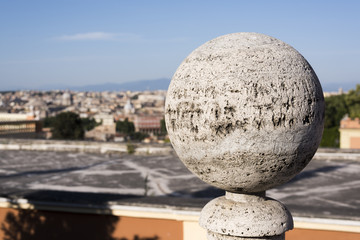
352, 100
128, 128
336, 107
69, 125
125, 127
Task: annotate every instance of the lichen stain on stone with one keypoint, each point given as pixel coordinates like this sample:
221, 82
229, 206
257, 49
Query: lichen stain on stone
173, 124
279, 121
229, 110
306, 120
258, 123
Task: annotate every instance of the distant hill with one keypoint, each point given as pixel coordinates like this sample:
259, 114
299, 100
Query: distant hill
156, 84
143, 85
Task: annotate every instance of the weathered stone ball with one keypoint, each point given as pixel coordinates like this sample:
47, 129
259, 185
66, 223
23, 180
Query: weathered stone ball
245, 112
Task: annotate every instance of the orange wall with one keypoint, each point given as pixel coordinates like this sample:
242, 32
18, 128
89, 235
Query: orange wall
151, 228
38, 225
309, 234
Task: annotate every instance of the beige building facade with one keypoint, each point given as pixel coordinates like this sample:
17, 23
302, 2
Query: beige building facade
18, 125
350, 133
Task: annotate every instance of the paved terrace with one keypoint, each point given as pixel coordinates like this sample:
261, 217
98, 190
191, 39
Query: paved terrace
327, 188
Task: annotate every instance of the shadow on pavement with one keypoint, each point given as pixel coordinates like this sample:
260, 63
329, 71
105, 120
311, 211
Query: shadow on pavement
306, 174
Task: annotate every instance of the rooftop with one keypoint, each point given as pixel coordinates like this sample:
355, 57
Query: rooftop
329, 187
350, 123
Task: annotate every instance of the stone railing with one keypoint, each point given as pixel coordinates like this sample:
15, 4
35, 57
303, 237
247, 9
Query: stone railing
83, 146
245, 113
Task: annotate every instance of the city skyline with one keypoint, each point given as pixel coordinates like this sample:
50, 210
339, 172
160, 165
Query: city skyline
75, 43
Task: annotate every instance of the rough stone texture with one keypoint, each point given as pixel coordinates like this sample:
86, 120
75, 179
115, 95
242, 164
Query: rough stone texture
245, 112
216, 236
245, 216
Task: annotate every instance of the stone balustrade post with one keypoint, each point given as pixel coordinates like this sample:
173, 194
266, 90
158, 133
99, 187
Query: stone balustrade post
245, 113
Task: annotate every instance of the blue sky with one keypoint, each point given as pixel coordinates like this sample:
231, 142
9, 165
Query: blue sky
78, 42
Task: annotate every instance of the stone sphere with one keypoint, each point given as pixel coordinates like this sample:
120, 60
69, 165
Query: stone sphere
245, 112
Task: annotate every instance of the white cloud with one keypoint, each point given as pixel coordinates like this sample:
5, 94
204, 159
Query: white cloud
98, 36
122, 37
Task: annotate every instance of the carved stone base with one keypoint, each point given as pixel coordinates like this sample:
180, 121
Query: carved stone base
243, 216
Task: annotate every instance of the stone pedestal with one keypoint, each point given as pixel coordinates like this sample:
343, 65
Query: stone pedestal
245, 113
245, 215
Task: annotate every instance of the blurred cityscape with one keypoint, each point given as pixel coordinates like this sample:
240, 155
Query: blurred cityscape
123, 116
31, 114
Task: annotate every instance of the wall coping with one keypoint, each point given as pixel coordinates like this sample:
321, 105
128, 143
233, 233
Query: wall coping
140, 148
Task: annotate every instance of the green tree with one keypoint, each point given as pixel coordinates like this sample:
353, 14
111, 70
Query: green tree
331, 137
125, 127
336, 107
67, 125
335, 110
138, 136
163, 127
88, 123
48, 122
353, 102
